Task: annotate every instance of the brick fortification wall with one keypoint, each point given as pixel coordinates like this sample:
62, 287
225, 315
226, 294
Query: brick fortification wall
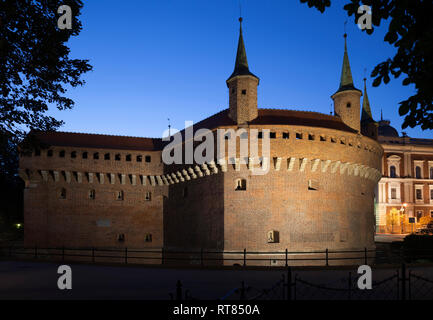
317, 194
78, 220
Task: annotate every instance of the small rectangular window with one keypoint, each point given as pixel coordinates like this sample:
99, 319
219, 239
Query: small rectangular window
272, 135
310, 137
393, 193
85, 155
298, 136
96, 156
148, 196
92, 194
117, 157
37, 152
333, 140
107, 156
62, 154
128, 157
73, 154
244, 92
50, 153
148, 237
260, 135
322, 138
313, 184
119, 195
121, 237
148, 159
139, 158
418, 194
285, 135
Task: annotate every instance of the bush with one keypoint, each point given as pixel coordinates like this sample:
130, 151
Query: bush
418, 247
425, 220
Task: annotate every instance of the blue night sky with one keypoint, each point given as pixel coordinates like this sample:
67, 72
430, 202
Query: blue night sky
155, 60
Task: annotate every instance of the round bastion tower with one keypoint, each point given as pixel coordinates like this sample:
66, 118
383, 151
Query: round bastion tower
347, 99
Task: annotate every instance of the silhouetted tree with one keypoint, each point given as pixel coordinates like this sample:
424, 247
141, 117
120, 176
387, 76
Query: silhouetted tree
411, 32
35, 71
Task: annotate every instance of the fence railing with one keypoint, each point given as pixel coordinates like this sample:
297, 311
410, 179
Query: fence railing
193, 257
397, 285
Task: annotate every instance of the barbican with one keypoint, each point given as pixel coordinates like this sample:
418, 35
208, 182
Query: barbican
90, 190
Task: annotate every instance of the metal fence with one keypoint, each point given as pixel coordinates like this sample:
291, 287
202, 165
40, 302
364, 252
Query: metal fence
198, 257
398, 285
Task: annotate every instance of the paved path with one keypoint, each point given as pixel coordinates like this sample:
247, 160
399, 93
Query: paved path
388, 237
33, 280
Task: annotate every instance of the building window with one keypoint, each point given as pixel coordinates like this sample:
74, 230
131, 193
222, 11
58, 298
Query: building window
310, 137
392, 172
244, 91
244, 135
431, 214
233, 90
419, 215
148, 159
62, 154
260, 135
333, 140
431, 194
298, 136
128, 157
148, 237
322, 138
37, 153
107, 156
139, 158
272, 135
117, 157
62, 193
418, 172
92, 194
121, 237
119, 195
285, 135
348, 105
50, 153
148, 196
431, 172
73, 154
418, 194
96, 156
85, 155
393, 193
241, 185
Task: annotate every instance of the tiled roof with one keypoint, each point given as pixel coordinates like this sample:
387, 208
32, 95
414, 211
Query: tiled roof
265, 117
72, 139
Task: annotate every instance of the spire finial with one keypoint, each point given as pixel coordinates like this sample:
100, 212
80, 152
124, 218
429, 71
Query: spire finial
346, 81
366, 109
241, 63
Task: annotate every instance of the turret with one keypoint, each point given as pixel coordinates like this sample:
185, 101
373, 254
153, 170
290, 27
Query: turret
369, 127
242, 85
347, 98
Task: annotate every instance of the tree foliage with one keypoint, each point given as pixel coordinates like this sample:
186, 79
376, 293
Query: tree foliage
410, 31
35, 72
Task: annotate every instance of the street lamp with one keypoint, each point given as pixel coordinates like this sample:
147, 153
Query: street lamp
402, 210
